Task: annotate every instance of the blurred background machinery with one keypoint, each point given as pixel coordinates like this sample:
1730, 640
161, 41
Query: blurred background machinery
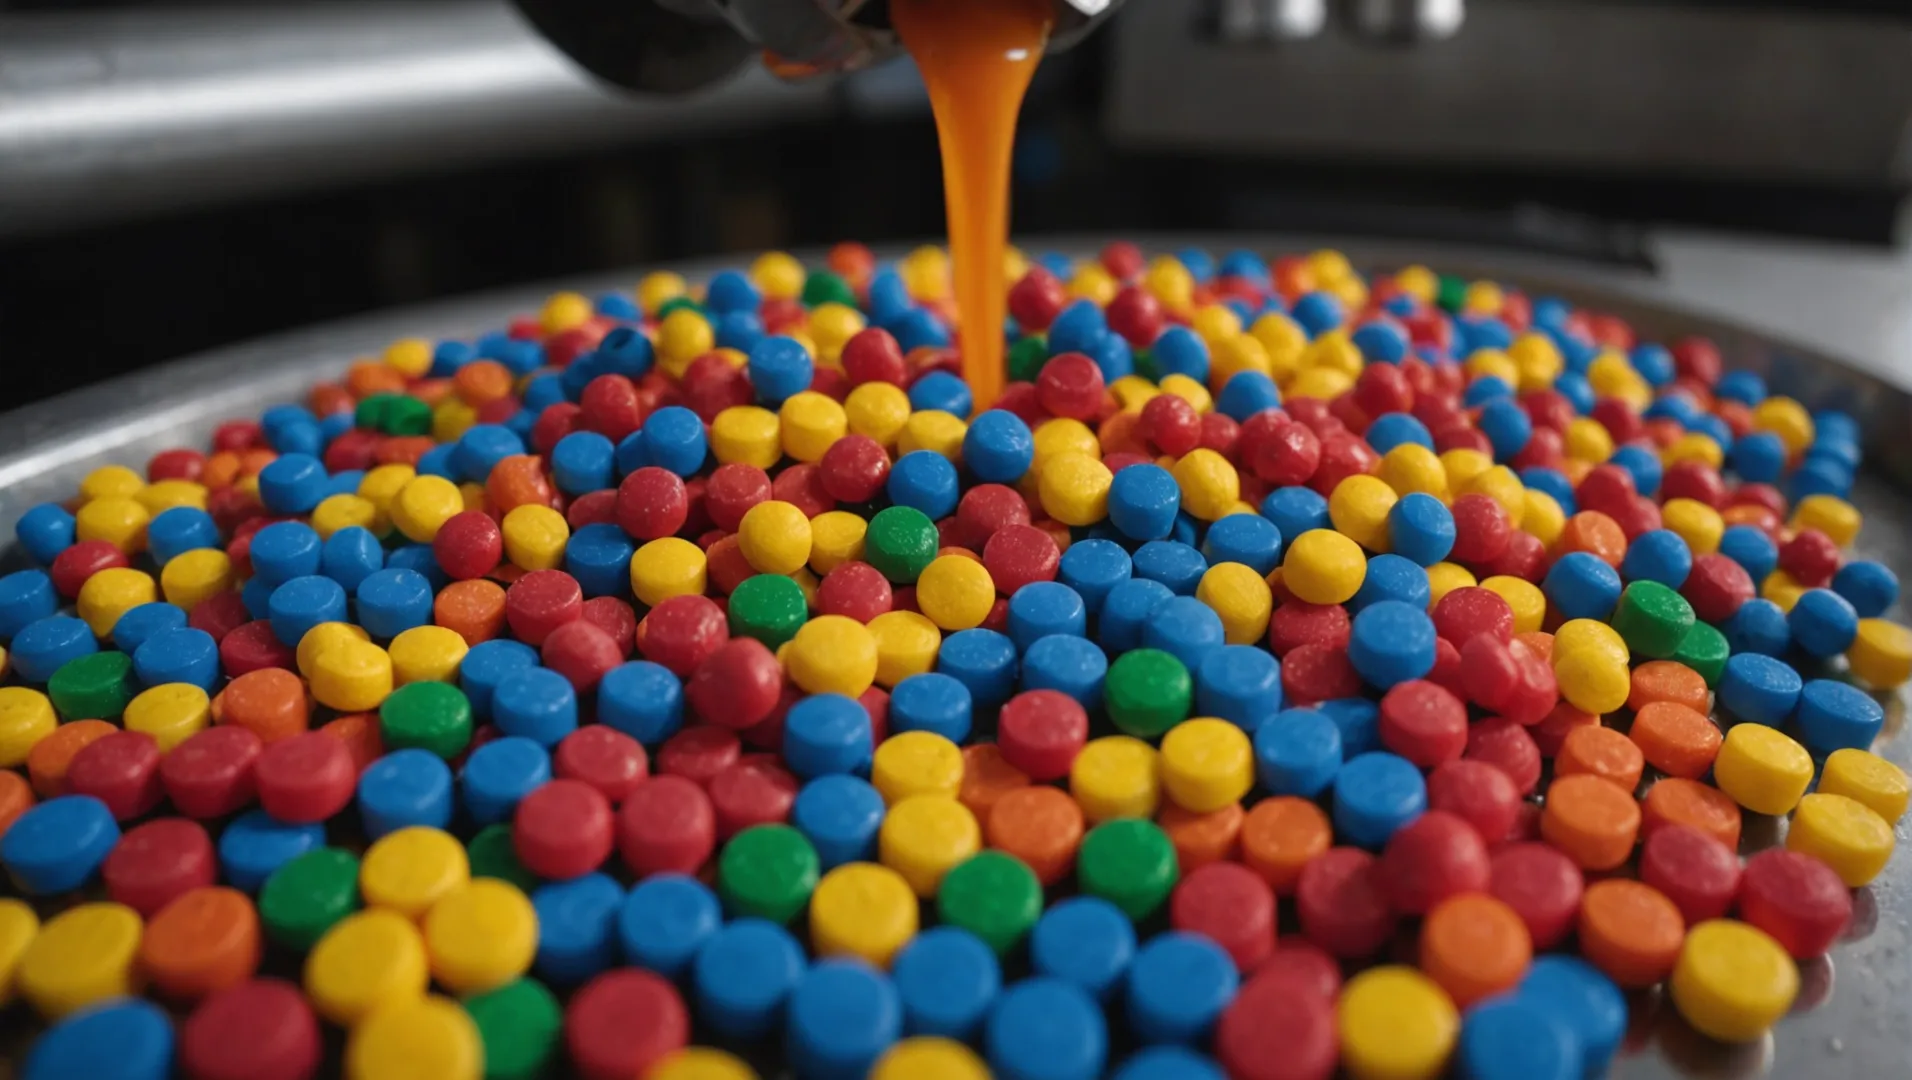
177, 175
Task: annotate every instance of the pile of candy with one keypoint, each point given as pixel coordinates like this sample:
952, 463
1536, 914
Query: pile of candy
1293, 671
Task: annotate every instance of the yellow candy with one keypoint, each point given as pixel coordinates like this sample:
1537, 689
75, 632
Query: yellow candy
1215, 323
535, 537
656, 289
927, 1057
1132, 392
925, 273
810, 423
913, 763
1482, 298
1787, 419
682, 337
1188, 390
113, 592
426, 654
410, 357
1420, 282
1524, 597
906, 644
1333, 352
863, 910
1695, 522
561, 312
955, 592
410, 870
189, 579
667, 567
427, 1038
833, 654
1500, 484
323, 637
1240, 353
1463, 465
1092, 282
1170, 282
831, 326
1284, 340
352, 676
164, 495
451, 418
1320, 383
1590, 663
1396, 1024
779, 274
18, 927
1732, 981
343, 511
1359, 508
1763, 769
119, 520
1694, 446
481, 937
1781, 589
878, 410
1830, 514
1411, 467
1060, 436
1542, 516
1075, 489
926, 836
836, 537
83, 955
1323, 567
1865, 777
171, 713
367, 961
1843, 833
1241, 597
700, 1063
111, 481
747, 435
380, 487
1537, 359
1445, 577
26, 717
934, 430
1116, 776
1206, 764
1485, 363
423, 506
1588, 440
774, 537
1881, 654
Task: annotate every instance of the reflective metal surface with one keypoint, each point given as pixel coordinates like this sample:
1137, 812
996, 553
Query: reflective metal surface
1854, 1016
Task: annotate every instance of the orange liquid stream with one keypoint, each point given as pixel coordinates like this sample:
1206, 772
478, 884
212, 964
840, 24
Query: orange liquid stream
977, 57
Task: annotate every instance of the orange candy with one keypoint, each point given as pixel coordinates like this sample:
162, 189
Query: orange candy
481, 381
1679, 801
1592, 821
1668, 680
402, 449
1201, 839
1280, 836
16, 798
368, 377
987, 777
1631, 931
1595, 533
1675, 739
1474, 946
204, 941
725, 565
516, 481
1042, 826
359, 733
269, 702
1539, 641
474, 610
48, 760
1602, 752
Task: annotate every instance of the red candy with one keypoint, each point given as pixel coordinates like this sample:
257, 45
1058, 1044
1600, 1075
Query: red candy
219, 615
1695, 871
801, 485
1297, 623
469, 545
540, 602
616, 619
1471, 610
854, 589
699, 753
603, 757
1543, 887
623, 1022
121, 770
1041, 732
1343, 904
754, 791
1270, 1032
1136, 314
1431, 858
854, 469
254, 647
1019, 554
210, 774
261, 1029
1232, 906
306, 778
1508, 678
1172, 426
681, 632
1717, 587
1423, 723
581, 652
1797, 899
987, 508
1811, 558
1507, 746
1070, 385
562, 830
1036, 299
873, 355
1316, 672
156, 862
731, 491
1481, 532
652, 504
71, 568
1307, 968
611, 407
737, 686
1479, 794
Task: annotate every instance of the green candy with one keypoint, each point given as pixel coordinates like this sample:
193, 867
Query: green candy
1652, 619
1704, 649
93, 687
519, 1024
372, 413
1130, 863
993, 895
406, 415
678, 303
900, 542
432, 716
827, 287
767, 871
1147, 691
1452, 292
305, 897
768, 607
1026, 358
492, 856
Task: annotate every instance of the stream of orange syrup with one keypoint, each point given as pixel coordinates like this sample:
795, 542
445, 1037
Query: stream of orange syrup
976, 57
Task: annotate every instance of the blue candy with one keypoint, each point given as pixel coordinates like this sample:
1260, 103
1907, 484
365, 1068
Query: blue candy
1575, 993
742, 977
1515, 1038
583, 461
1759, 626
577, 928
943, 391
405, 788
1659, 555
58, 845
1143, 501
44, 645
26, 597
1745, 387
1759, 689
1868, 586
1381, 341
393, 600
1553, 483
1392, 642
303, 603
1249, 539
499, 774
674, 439
780, 368
1247, 393
1420, 527
120, 1039
292, 483
840, 816
419, 559
1298, 752
1126, 610
1240, 684
1392, 577
1186, 629
254, 845
947, 980
1390, 430
599, 557
1080, 327
351, 555
924, 480
180, 529
1643, 465
1179, 351
1823, 623
1758, 458
1068, 663
1317, 312
486, 664
825, 734
1375, 794
1178, 986
183, 655
843, 1014
285, 550
538, 704
731, 290
482, 447
932, 701
1580, 585
984, 661
1507, 427
1168, 1063
45, 531
1042, 608
1113, 357
139, 624
643, 700
1046, 1029
1751, 548
666, 921
1836, 716
998, 447
1084, 940
1358, 721
1296, 510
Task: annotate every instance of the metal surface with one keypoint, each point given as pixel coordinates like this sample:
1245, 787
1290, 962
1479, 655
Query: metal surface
1855, 1014
116, 113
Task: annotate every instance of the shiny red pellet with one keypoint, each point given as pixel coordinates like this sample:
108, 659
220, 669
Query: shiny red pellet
1270, 1032
623, 1022
1230, 905
1810, 557
1695, 871
156, 862
1305, 966
1036, 299
540, 602
1509, 747
1447, 673
469, 545
1343, 903
699, 753
876, 705
712, 384
261, 1029
1041, 732
582, 652
873, 355
254, 647
754, 791
1423, 723
731, 491
121, 770
1717, 587
1478, 793
1135, 314
1431, 858
1525, 558
610, 406
855, 589
1543, 887
1317, 672
1342, 455
1170, 425
592, 508
1481, 530
179, 463
680, 632
306, 778
1070, 385
854, 469
210, 774
1694, 480
1551, 733
652, 504
986, 508
562, 830
1508, 678
603, 757
71, 568
1471, 610
614, 617
801, 485
1296, 623
737, 686
1018, 555
1797, 899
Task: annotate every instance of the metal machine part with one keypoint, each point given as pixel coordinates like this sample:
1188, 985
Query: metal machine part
1239, 22
677, 45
